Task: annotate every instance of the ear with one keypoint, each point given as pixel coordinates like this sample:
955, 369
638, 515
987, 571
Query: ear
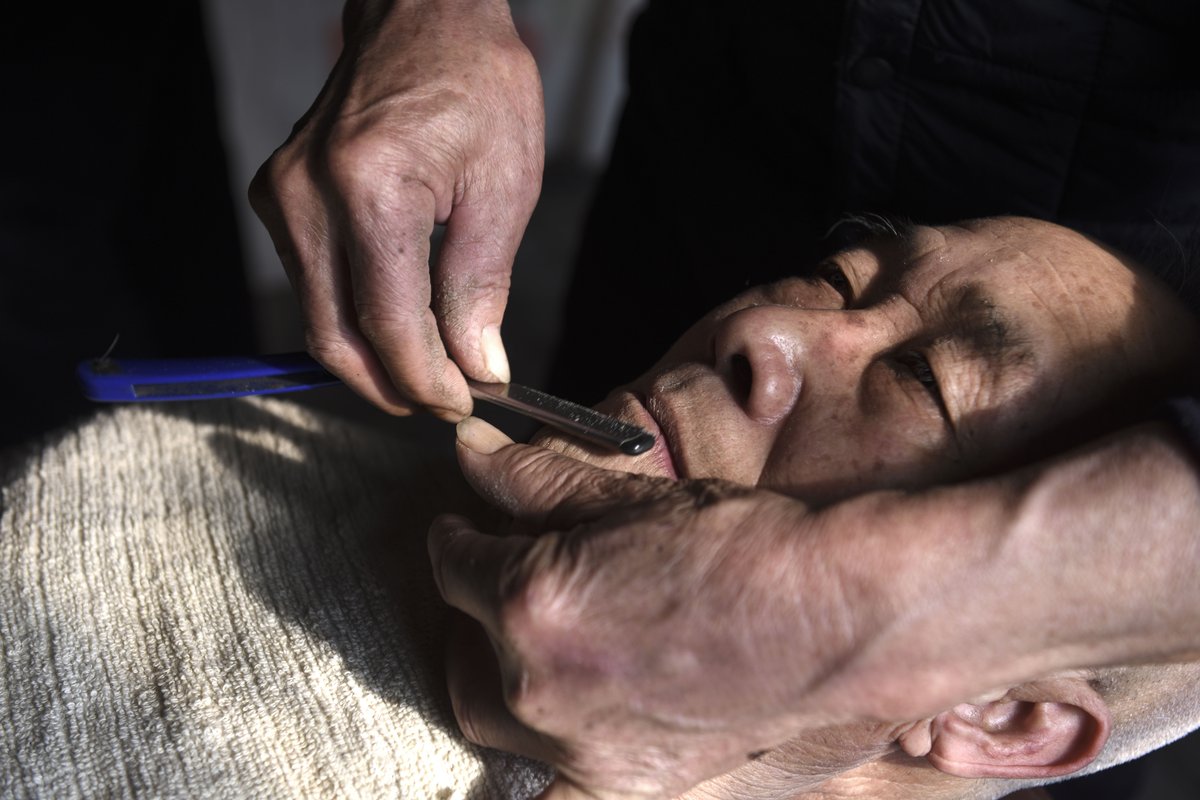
1043, 729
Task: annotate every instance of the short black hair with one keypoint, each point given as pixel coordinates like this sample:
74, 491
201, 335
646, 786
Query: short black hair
855, 229
1172, 254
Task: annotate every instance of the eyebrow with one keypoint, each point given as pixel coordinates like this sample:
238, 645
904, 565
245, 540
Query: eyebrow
977, 322
983, 328
859, 230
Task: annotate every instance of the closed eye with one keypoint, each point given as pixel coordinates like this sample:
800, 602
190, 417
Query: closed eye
913, 365
832, 274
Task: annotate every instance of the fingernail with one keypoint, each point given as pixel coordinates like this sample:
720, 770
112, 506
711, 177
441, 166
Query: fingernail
480, 436
494, 357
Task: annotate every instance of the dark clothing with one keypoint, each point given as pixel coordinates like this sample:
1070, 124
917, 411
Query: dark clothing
1186, 416
1119, 783
751, 128
116, 215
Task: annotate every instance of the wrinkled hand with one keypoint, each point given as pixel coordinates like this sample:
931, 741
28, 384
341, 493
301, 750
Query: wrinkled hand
657, 634
432, 115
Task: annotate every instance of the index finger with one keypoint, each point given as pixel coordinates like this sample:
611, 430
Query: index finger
286, 198
544, 488
388, 251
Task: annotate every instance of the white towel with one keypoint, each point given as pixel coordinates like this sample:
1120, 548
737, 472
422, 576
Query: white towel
229, 599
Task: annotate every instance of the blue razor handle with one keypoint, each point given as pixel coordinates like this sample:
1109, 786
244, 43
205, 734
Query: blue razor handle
133, 380
126, 380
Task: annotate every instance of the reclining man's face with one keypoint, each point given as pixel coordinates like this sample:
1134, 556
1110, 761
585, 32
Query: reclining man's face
901, 363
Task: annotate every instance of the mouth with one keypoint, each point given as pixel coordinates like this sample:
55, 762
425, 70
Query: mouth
632, 407
663, 452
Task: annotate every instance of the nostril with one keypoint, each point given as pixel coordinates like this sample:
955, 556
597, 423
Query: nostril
741, 377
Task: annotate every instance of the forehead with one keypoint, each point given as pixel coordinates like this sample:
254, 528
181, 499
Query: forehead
1031, 274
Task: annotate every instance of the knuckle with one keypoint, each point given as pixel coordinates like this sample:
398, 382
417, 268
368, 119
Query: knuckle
524, 599
277, 177
260, 193
513, 55
530, 694
544, 622
535, 603
358, 151
277, 195
350, 159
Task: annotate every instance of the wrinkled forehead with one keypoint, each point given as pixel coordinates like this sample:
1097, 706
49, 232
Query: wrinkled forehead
1005, 253
1040, 276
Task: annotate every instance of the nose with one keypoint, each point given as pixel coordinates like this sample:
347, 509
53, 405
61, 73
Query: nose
767, 354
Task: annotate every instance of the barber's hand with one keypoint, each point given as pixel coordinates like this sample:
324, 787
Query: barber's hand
657, 634
432, 115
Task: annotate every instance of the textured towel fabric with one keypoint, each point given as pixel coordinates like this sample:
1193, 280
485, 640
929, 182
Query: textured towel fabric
229, 599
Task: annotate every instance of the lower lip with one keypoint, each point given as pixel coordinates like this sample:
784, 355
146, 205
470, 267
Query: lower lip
661, 452
663, 458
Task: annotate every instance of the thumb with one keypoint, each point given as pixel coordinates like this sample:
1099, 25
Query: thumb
470, 287
541, 487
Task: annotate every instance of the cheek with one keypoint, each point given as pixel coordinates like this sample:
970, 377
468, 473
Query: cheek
730, 453
826, 460
847, 452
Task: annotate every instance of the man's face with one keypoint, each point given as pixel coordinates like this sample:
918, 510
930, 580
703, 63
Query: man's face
899, 363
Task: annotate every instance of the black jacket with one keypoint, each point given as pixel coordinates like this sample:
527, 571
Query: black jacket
752, 127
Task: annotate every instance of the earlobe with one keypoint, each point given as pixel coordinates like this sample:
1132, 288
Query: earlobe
1039, 730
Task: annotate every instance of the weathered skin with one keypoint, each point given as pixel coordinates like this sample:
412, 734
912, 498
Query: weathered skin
652, 633
432, 116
